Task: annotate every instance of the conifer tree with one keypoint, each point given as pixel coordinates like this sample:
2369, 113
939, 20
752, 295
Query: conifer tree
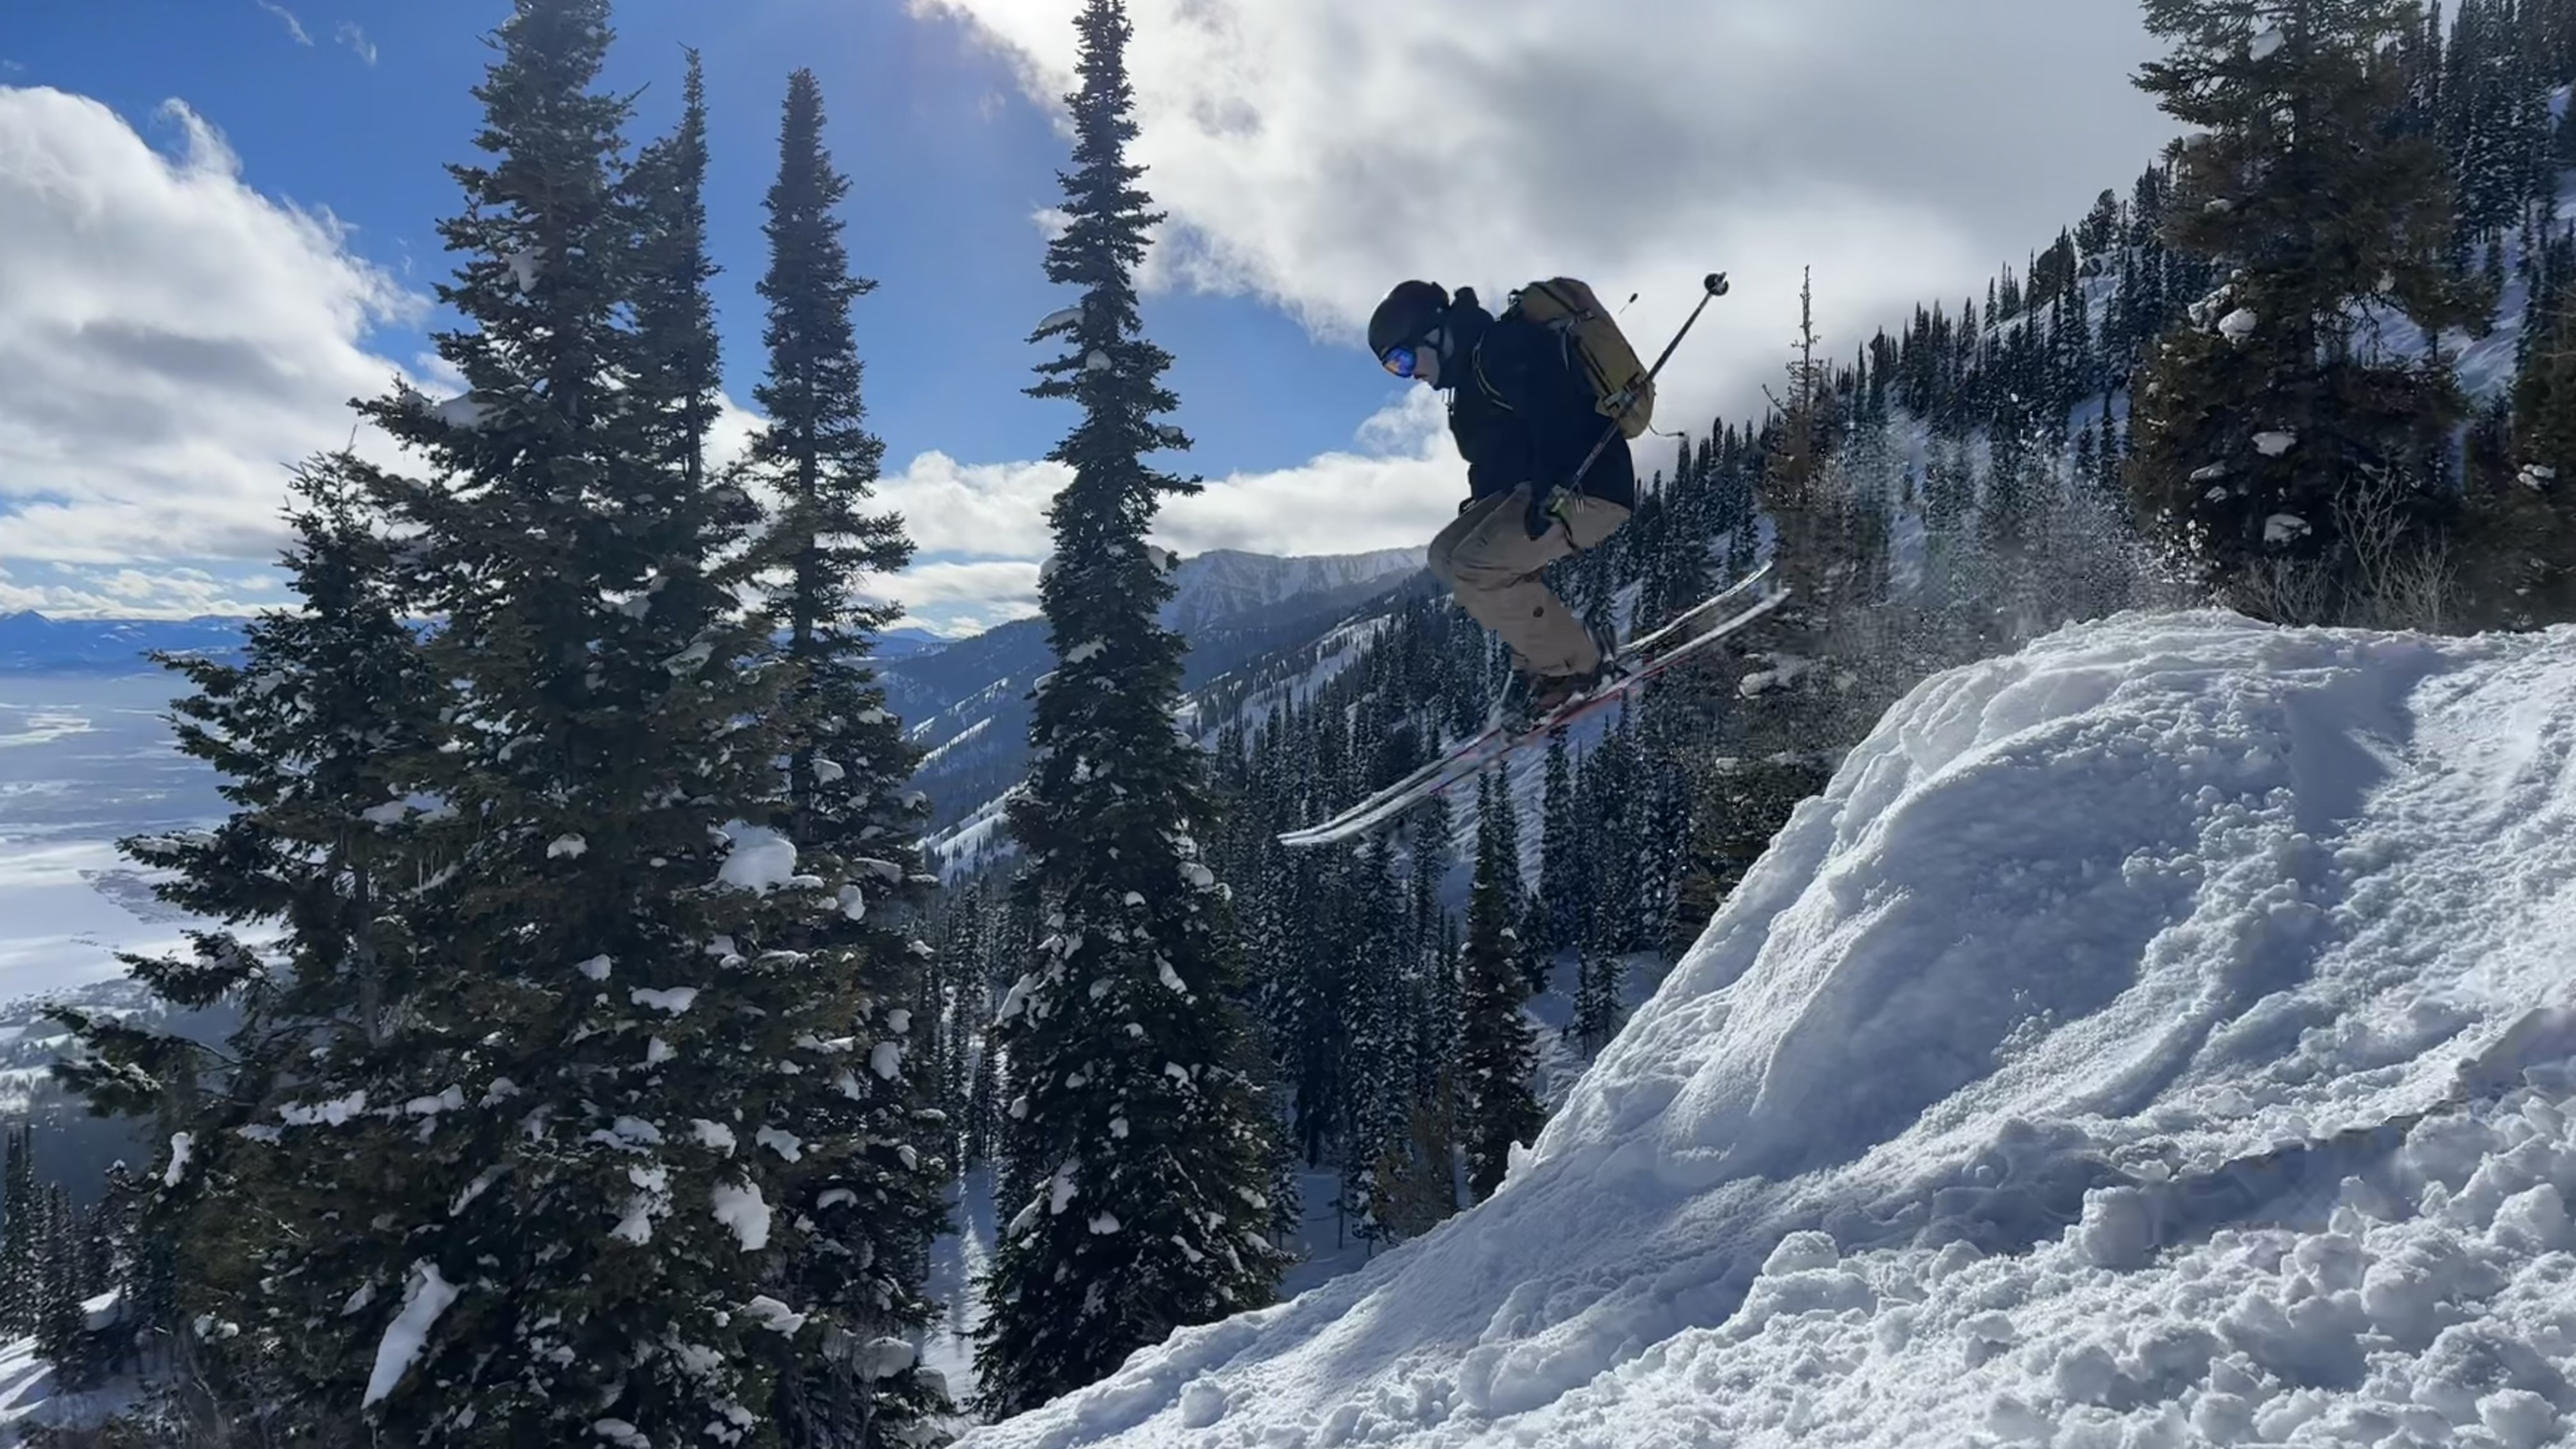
1433, 1001
1497, 1048
675, 378
1596, 1000
1144, 1137
1505, 818
1530, 955
1565, 870
2279, 401
2524, 514
318, 734
1663, 858
1378, 1064
1790, 725
877, 1154
595, 1101
2100, 230
61, 1325
20, 1271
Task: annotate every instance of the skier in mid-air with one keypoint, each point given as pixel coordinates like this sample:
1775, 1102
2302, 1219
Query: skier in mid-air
1525, 415
1545, 399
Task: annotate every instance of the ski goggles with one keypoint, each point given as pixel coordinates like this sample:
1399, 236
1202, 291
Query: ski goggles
1404, 359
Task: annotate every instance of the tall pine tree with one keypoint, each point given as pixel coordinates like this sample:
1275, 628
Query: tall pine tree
878, 1154
1565, 871
587, 1140
21, 1268
319, 734
2263, 422
1497, 1047
675, 376
1142, 1134
2524, 510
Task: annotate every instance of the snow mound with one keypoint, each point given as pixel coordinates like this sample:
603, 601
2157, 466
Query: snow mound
2160, 1036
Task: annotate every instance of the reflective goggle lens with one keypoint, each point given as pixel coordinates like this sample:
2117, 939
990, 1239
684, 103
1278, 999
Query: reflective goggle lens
1398, 360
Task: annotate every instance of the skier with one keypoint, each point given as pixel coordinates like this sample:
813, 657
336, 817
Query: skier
1522, 412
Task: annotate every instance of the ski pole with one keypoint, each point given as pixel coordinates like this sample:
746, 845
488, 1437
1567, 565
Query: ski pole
1713, 287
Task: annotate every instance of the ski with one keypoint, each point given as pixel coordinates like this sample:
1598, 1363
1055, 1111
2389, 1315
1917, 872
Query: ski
1467, 760
1440, 773
1644, 648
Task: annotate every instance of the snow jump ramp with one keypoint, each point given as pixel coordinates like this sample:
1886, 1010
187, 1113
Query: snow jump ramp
2159, 1036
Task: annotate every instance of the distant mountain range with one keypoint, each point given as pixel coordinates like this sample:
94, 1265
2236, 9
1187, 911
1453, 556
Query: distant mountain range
1224, 583
30, 643
967, 704
964, 700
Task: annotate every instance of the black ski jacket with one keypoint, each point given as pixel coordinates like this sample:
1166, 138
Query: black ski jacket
1522, 411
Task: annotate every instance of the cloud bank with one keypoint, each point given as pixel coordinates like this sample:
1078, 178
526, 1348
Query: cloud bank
1314, 153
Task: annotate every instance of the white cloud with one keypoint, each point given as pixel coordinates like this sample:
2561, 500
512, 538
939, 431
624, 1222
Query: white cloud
1314, 153
356, 39
1396, 487
961, 597
170, 341
983, 527
294, 27
1396, 490
982, 530
127, 593
986, 509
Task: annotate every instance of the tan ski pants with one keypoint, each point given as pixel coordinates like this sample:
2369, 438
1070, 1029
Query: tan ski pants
1488, 559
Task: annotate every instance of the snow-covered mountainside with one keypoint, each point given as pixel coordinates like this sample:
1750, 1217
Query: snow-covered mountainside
968, 703
2165, 1035
1224, 582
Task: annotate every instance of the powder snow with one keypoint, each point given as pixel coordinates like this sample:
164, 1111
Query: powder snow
2159, 1036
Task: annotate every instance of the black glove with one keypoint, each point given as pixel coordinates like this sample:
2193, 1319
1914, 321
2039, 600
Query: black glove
1538, 520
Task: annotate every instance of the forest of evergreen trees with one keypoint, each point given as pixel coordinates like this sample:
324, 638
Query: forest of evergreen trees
609, 1051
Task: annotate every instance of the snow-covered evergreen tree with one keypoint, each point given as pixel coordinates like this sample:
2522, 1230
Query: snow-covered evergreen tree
20, 1272
1141, 1130
587, 1126
61, 1326
1497, 1046
2524, 519
2282, 407
318, 735
1566, 870
1596, 1000
1378, 1064
875, 1148
675, 377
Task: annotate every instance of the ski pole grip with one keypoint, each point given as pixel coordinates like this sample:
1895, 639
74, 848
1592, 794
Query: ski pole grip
1716, 284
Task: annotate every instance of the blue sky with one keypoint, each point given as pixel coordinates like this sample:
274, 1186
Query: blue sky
1310, 155
950, 160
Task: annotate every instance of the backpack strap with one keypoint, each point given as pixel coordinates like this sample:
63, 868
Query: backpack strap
1562, 326
1511, 316
1484, 384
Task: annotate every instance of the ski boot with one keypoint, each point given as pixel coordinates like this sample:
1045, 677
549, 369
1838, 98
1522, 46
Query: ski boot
1529, 699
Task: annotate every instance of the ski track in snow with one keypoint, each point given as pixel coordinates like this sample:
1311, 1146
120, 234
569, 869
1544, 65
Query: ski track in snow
2083, 1068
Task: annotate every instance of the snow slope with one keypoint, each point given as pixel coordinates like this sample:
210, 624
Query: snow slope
2160, 1036
1225, 582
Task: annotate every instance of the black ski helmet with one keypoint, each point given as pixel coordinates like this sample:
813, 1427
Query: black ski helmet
1412, 309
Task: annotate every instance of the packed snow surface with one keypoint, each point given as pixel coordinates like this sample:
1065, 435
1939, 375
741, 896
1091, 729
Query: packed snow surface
2159, 1037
